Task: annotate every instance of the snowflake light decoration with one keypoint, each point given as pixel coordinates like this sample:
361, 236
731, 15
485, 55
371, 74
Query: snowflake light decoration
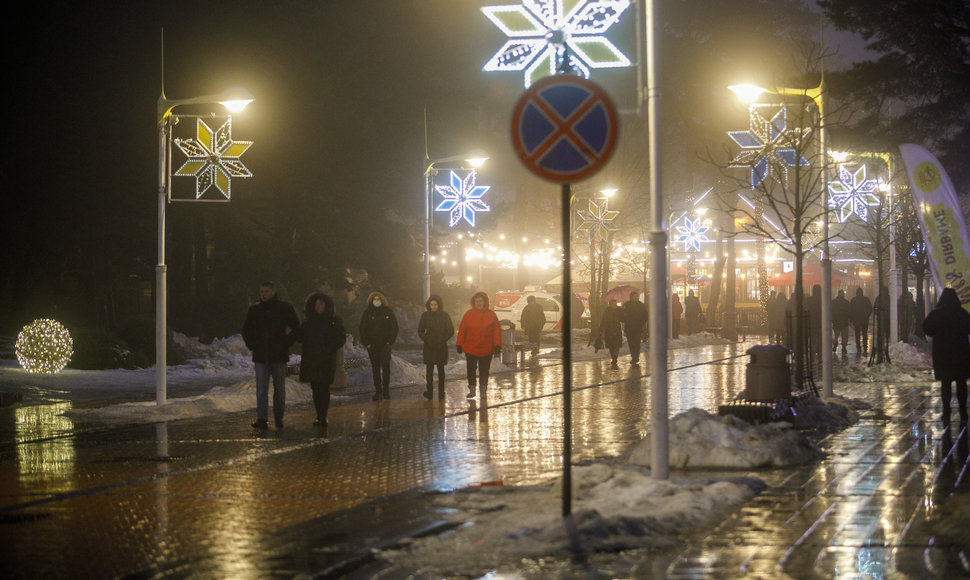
213, 158
462, 198
852, 194
766, 147
542, 32
598, 220
692, 233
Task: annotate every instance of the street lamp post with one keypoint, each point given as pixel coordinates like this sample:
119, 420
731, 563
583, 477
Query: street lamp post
234, 99
750, 93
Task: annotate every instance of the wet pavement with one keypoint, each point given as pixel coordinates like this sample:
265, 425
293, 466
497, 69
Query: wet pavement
212, 498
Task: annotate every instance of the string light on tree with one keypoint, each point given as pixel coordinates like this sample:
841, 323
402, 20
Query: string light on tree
543, 32
213, 158
44, 346
462, 199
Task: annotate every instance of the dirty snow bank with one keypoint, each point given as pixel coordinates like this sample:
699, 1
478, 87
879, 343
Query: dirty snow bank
700, 440
614, 508
908, 364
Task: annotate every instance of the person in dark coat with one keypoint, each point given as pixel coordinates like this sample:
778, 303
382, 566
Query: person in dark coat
378, 331
269, 331
634, 319
692, 312
676, 311
814, 308
949, 325
533, 319
611, 331
434, 329
322, 335
840, 320
479, 337
860, 308
907, 315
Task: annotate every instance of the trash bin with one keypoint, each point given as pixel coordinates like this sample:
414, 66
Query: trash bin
508, 341
768, 375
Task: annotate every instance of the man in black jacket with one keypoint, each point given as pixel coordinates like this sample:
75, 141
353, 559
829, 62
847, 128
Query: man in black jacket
860, 308
634, 319
269, 331
533, 319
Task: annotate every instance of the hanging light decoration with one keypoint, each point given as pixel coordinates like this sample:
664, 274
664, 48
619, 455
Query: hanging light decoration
44, 346
462, 198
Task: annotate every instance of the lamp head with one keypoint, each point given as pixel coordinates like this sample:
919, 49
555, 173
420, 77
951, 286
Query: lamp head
747, 93
235, 99
609, 192
476, 158
839, 156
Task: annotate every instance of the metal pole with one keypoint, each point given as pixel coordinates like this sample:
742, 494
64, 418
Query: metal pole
567, 357
894, 290
826, 256
427, 229
160, 272
660, 458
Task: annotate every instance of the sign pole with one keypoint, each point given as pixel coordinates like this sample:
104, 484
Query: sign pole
567, 358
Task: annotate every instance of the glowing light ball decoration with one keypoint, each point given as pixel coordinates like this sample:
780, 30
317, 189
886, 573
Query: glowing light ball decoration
44, 346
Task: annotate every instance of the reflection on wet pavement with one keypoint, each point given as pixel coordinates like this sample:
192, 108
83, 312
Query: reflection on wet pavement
201, 497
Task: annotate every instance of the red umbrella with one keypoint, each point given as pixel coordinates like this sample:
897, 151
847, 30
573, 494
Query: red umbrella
620, 293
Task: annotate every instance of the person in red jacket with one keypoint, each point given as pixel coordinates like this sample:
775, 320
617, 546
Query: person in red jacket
479, 337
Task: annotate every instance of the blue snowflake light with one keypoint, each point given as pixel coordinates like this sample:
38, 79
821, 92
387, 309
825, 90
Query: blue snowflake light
462, 198
597, 220
542, 32
692, 233
852, 194
766, 147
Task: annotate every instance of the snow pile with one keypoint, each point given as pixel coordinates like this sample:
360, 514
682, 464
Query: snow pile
700, 440
827, 414
614, 508
402, 372
908, 364
222, 355
699, 339
240, 396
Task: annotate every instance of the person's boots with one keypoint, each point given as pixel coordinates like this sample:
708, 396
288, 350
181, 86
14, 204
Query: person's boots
441, 389
428, 392
387, 391
377, 393
471, 392
946, 413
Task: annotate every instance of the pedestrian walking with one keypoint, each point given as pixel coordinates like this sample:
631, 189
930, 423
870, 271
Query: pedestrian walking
634, 319
860, 308
378, 331
692, 312
949, 325
434, 329
322, 335
533, 319
906, 310
611, 331
270, 329
840, 320
676, 311
479, 337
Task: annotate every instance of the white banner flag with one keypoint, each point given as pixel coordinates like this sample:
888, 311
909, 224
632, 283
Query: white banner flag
940, 218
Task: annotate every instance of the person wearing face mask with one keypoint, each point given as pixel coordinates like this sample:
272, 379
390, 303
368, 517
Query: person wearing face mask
435, 328
378, 331
479, 337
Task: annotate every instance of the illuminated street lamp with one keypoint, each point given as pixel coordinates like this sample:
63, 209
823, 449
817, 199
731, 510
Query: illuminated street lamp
749, 93
471, 160
234, 100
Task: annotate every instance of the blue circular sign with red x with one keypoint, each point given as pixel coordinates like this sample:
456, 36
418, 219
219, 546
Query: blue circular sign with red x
564, 128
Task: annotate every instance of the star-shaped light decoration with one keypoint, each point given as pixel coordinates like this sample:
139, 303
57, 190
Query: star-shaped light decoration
692, 233
213, 158
598, 220
766, 147
852, 194
462, 198
541, 32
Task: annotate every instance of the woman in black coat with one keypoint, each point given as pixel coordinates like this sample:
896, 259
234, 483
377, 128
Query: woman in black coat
322, 335
435, 328
949, 325
610, 331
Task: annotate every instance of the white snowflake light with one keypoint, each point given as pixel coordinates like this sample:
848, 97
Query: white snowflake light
462, 198
852, 194
597, 221
767, 147
692, 233
542, 32
44, 346
213, 158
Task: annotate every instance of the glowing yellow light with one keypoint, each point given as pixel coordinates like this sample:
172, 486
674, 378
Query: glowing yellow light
44, 346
